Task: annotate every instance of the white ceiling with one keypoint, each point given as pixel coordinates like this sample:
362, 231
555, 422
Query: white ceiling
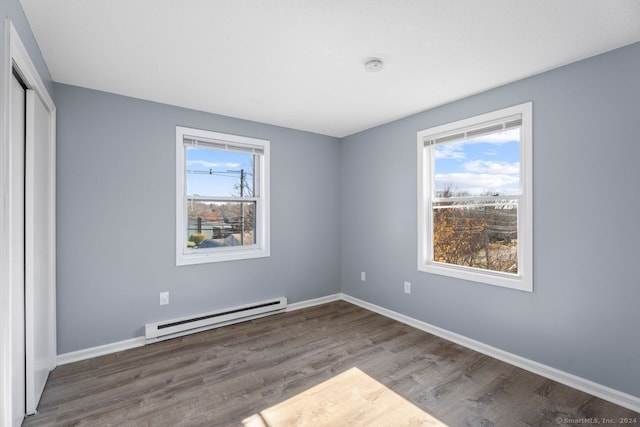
299, 63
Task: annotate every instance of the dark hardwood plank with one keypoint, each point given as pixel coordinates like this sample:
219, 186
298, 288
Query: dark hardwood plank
225, 375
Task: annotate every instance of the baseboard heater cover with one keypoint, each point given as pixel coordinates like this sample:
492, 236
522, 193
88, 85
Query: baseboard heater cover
201, 322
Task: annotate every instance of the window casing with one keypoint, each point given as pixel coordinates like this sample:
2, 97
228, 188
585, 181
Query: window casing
222, 197
474, 198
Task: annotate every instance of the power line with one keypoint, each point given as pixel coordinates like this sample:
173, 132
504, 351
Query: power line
229, 173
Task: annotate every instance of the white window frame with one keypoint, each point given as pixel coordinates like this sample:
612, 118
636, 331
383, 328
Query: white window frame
426, 192
261, 248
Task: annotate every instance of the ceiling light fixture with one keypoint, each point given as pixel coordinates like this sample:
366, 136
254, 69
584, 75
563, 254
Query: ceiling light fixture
373, 64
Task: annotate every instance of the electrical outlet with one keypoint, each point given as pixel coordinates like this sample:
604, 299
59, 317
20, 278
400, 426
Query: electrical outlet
407, 287
363, 276
164, 298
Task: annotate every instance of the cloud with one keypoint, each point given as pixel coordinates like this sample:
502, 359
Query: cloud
456, 150
450, 151
478, 183
206, 164
493, 167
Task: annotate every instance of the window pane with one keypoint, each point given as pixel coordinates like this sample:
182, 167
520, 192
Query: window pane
477, 234
489, 164
220, 224
219, 173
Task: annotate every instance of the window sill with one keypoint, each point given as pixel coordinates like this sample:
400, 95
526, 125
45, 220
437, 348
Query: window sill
220, 256
504, 280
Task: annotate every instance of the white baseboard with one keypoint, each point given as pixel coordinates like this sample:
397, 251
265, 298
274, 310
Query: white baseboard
101, 350
582, 384
313, 302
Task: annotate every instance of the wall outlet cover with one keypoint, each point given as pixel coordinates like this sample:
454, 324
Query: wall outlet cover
164, 298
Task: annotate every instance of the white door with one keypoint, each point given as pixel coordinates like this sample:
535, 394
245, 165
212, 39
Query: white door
39, 250
17, 255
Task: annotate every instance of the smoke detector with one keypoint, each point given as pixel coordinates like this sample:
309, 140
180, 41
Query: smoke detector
373, 65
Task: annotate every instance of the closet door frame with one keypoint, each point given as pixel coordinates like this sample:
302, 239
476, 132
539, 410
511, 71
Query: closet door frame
17, 58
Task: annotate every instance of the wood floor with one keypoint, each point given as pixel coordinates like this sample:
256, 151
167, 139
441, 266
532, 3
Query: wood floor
224, 376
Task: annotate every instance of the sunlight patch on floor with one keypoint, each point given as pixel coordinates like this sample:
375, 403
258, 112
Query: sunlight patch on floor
352, 398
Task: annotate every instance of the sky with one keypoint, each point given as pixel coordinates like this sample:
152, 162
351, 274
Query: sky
225, 166
487, 163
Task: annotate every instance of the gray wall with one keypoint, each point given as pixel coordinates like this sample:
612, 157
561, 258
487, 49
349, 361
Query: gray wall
116, 219
582, 317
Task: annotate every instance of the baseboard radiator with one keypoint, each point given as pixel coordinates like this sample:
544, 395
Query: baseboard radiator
201, 322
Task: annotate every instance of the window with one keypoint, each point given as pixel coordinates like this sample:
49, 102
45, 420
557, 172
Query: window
222, 191
474, 209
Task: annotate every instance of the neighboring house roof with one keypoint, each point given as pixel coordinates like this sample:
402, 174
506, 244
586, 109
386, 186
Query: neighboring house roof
230, 240
211, 243
234, 239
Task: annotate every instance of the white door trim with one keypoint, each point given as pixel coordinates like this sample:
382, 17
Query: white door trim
16, 56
